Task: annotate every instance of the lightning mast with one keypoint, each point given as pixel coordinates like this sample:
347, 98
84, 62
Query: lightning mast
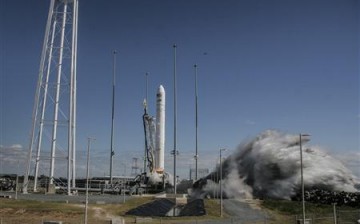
112, 152
54, 112
175, 152
196, 124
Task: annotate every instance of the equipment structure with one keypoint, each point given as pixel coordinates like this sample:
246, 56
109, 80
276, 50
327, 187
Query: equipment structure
154, 129
156, 179
52, 135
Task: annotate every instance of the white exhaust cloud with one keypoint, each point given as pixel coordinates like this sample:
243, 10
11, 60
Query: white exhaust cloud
269, 166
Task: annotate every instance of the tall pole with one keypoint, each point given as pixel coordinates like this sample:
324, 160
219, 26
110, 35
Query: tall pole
57, 96
196, 125
220, 182
42, 116
123, 191
302, 176
145, 108
71, 114
87, 180
124, 182
146, 87
17, 181
74, 78
37, 99
175, 120
214, 180
112, 119
334, 211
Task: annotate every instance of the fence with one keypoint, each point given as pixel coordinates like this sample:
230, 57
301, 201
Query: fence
343, 217
19, 220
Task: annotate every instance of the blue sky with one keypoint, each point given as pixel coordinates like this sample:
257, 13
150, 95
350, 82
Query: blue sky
286, 65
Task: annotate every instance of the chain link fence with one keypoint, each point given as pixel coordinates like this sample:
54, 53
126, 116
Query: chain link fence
18, 220
343, 217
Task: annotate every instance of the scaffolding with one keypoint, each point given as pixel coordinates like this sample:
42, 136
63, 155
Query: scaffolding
54, 113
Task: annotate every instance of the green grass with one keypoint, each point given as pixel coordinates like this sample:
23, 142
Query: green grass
121, 209
282, 211
27, 211
38, 206
295, 207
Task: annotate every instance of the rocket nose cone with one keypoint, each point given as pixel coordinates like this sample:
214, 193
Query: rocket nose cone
161, 89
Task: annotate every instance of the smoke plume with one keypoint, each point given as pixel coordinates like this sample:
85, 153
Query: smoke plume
268, 166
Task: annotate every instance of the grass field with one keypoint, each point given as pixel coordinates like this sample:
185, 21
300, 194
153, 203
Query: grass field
24, 211
282, 210
28, 211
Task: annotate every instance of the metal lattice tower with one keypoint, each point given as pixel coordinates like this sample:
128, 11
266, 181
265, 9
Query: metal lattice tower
53, 129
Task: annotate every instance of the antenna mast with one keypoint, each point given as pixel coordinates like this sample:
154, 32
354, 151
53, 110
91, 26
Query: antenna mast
112, 153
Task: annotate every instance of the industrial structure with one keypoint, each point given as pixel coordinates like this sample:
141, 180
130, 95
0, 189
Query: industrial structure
52, 135
154, 175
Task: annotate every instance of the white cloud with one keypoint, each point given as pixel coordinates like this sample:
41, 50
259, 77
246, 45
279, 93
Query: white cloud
16, 146
13, 153
351, 160
12, 158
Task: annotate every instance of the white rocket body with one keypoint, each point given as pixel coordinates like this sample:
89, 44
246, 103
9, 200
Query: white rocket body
160, 130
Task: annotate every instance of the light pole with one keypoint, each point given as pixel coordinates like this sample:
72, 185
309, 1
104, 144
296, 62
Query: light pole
220, 182
124, 182
112, 152
196, 125
302, 175
87, 179
17, 181
145, 110
175, 121
214, 181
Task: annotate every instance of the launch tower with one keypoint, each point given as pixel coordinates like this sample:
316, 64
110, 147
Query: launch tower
52, 135
154, 129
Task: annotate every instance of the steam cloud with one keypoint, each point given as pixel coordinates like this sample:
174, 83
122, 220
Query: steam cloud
269, 166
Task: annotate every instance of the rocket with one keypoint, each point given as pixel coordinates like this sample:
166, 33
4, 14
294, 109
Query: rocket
160, 130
